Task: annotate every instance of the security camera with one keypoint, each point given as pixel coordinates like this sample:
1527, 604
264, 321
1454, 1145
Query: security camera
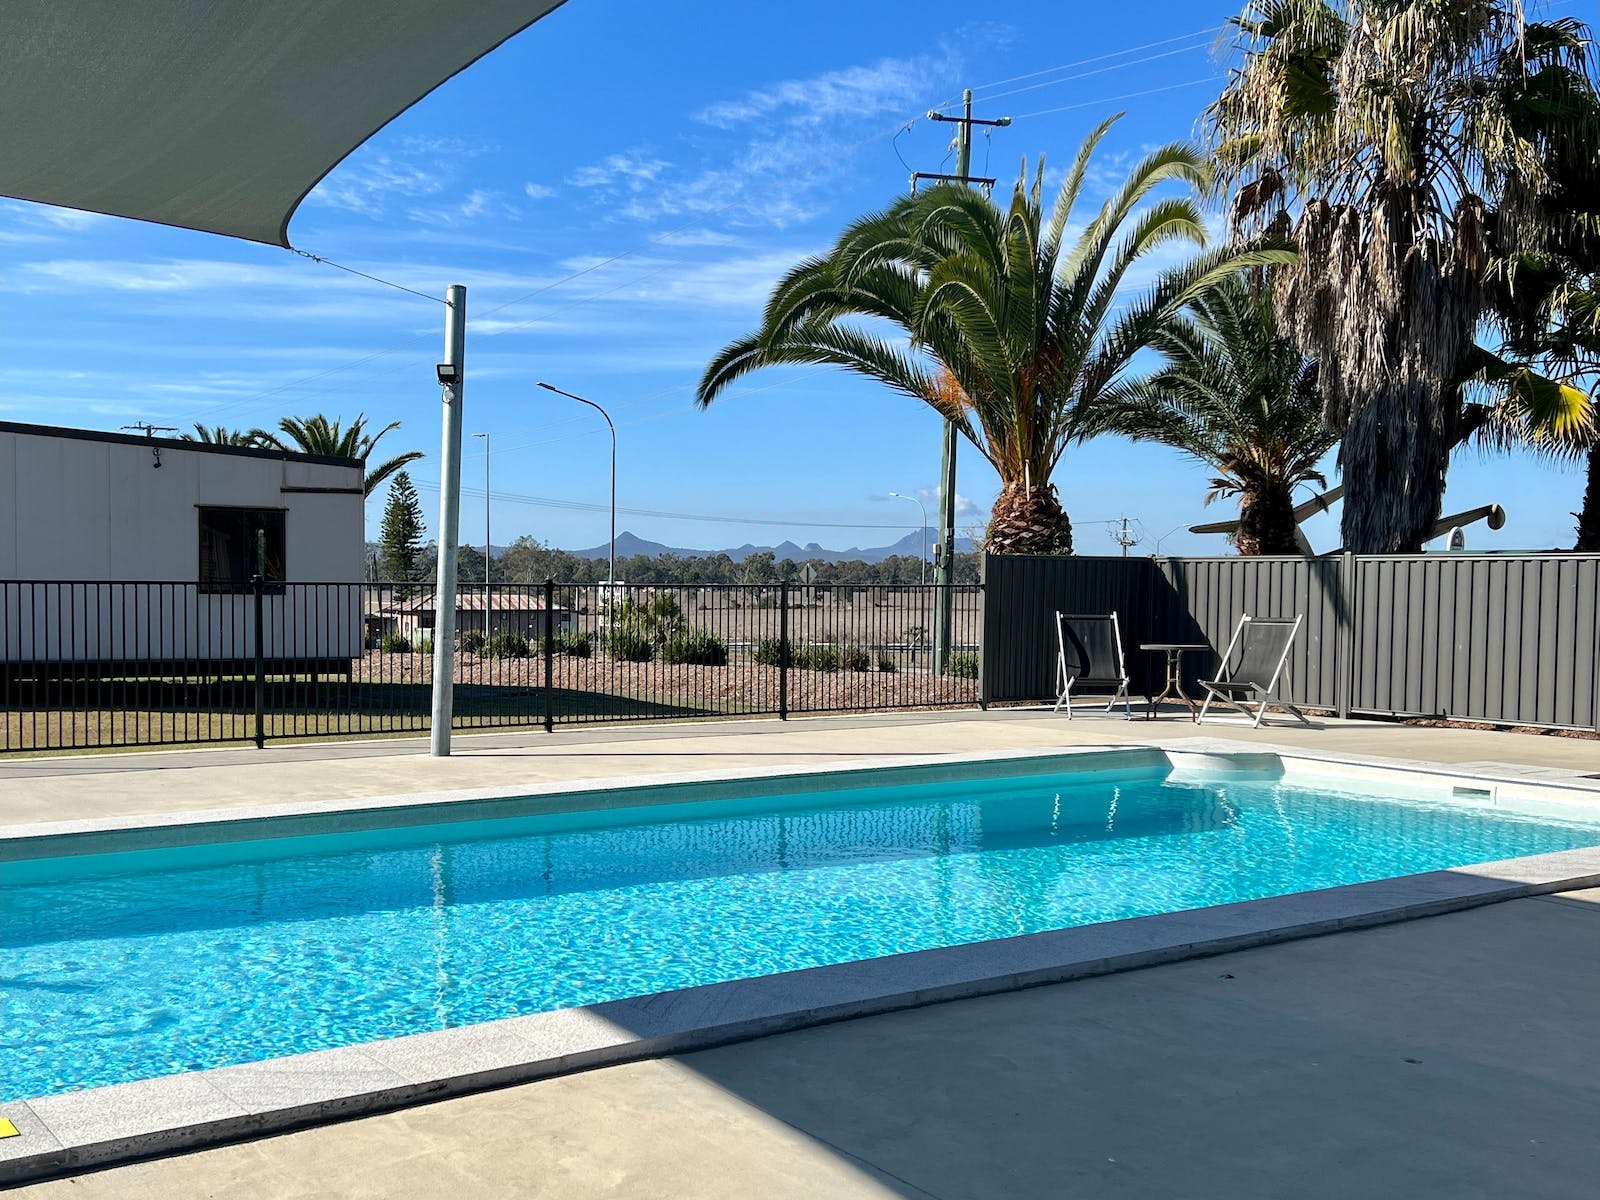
448, 373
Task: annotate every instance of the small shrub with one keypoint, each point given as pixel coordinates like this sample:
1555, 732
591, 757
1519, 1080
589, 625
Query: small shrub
771, 651
574, 645
887, 664
394, 643
963, 665
471, 642
699, 647
424, 646
817, 658
630, 643
507, 645
855, 658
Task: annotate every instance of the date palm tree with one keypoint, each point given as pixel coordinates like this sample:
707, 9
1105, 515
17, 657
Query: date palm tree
318, 435
1237, 394
1000, 322
1401, 144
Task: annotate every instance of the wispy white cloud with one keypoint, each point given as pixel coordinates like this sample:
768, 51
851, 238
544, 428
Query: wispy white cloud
410, 169
538, 191
476, 205
633, 171
890, 84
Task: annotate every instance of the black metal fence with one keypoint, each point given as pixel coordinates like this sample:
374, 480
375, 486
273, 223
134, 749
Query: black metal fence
110, 664
1506, 639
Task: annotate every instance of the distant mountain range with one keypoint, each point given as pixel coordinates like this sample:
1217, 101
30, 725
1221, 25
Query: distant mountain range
911, 545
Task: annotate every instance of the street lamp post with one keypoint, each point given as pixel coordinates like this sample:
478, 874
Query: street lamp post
923, 560
488, 542
611, 568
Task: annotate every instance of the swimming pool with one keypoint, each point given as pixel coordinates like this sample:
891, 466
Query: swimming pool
142, 963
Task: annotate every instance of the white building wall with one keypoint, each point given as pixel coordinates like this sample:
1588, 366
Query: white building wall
76, 509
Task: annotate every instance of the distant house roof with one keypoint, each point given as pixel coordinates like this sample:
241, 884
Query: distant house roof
469, 599
139, 439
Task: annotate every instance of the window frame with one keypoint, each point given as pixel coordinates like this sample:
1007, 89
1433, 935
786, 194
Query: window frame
276, 567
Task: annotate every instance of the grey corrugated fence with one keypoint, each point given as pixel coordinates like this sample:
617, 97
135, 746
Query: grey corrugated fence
1496, 638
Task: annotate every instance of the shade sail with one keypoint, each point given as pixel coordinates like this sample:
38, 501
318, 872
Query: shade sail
218, 115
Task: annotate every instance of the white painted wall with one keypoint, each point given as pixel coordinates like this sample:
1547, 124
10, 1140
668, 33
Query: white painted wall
75, 509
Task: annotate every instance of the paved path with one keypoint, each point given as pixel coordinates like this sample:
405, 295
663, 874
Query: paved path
86, 786
1450, 1057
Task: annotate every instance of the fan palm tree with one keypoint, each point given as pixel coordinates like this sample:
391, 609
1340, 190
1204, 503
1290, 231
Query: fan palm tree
1237, 394
1013, 329
318, 435
218, 435
1401, 143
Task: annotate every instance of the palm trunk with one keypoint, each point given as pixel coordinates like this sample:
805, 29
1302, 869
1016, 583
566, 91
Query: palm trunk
1028, 521
1589, 515
1392, 460
1266, 522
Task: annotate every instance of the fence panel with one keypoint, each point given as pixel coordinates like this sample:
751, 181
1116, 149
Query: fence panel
1496, 638
1022, 594
1482, 638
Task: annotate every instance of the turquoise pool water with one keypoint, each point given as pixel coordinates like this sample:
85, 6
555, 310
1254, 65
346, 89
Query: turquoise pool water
127, 966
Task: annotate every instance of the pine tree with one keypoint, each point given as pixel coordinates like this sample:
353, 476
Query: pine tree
400, 542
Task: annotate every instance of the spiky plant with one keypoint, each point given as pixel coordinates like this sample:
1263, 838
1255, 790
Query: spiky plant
318, 435
1399, 143
1238, 395
1007, 328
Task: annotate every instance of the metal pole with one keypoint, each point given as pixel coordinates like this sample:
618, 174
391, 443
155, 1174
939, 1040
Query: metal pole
922, 572
488, 542
452, 377
611, 569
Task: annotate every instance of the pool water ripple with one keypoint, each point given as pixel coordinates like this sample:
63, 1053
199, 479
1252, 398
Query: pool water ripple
123, 967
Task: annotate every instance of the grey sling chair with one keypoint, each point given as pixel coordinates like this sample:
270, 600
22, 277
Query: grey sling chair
1265, 651
1089, 652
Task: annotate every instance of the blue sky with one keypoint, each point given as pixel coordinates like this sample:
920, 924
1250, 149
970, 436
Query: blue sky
618, 188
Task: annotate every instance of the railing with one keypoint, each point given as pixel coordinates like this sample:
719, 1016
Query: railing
88, 665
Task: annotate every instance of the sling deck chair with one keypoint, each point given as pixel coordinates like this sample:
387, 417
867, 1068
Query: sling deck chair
1263, 652
1089, 652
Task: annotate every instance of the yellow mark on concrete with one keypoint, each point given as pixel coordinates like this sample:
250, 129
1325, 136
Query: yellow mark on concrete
7, 1129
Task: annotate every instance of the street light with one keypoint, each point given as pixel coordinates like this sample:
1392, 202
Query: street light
923, 560
488, 544
611, 570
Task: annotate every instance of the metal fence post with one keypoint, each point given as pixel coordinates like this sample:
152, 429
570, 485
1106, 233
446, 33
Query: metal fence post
1344, 674
549, 655
783, 651
983, 644
257, 590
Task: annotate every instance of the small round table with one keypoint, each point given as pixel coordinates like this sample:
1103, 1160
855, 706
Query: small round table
1174, 685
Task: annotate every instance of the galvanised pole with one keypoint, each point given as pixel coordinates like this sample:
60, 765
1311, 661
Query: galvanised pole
452, 379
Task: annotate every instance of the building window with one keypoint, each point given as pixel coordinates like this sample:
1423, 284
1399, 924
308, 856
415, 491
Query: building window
236, 543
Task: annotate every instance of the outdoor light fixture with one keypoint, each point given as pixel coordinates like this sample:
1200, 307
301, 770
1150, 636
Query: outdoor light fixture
449, 373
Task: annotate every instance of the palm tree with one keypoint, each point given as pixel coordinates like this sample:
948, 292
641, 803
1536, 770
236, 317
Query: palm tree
1013, 330
218, 435
318, 435
1239, 396
1401, 143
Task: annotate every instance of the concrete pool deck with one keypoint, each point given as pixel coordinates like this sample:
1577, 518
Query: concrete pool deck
1449, 1056
83, 787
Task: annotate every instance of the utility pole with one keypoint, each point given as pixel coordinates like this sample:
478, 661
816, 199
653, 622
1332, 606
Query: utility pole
944, 561
1124, 537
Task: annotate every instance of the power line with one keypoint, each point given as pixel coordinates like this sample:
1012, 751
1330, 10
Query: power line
1084, 62
1171, 87
1135, 62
